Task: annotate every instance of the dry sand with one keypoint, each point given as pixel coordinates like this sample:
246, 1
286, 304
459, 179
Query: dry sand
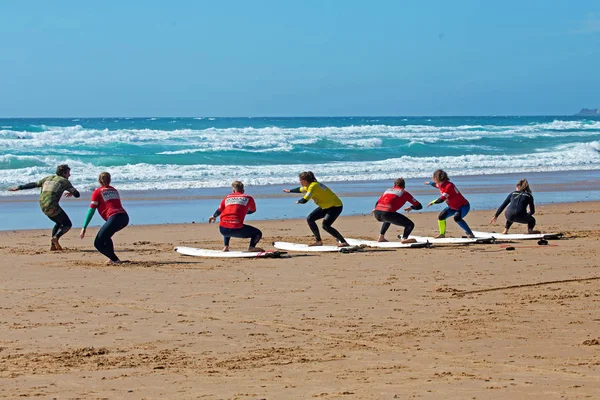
377, 324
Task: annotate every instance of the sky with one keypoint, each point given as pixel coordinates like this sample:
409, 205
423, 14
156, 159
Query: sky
298, 58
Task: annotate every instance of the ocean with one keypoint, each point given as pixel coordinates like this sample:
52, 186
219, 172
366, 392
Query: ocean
148, 154
175, 170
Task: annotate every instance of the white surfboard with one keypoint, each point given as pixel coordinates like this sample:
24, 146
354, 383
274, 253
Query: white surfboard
517, 236
192, 251
433, 240
386, 245
304, 247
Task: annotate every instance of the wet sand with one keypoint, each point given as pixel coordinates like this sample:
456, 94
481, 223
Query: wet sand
477, 322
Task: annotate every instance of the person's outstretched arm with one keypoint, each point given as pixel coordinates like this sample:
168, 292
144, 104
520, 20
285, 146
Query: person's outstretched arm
88, 218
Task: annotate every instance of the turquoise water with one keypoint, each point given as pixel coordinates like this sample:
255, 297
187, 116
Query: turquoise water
184, 153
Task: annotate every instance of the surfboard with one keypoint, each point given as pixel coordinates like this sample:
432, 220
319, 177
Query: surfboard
433, 240
386, 245
313, 249
517, 236
192, 251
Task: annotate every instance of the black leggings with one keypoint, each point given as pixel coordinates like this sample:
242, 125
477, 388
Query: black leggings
63, 224
330, 215
103, 241
246, 231
521, 219
388, 218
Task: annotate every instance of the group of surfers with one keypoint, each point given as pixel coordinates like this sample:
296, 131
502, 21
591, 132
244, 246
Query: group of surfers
235, 206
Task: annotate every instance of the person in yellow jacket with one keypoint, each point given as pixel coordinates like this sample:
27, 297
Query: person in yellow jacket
329, 207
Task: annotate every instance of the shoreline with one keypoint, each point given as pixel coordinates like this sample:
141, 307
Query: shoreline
484, 192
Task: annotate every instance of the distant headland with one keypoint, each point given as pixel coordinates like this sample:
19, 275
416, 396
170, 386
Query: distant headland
588, 112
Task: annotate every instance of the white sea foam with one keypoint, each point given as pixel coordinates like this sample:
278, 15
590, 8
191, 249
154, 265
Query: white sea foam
279, 139
578, 156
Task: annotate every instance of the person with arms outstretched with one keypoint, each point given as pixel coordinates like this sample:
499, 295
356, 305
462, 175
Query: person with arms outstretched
456, 204
329, 207
232, 211
53, 187
518, 202
108, 202
386, 210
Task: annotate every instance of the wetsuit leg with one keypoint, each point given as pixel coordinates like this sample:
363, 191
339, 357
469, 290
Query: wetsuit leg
444, 214
394, 218
103, 242
458, 217
317, 214
63, 224
331, 215
246, 231
521, 219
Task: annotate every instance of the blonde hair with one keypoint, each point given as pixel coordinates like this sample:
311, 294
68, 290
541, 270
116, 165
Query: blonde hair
104, 179
238, 186
524, 186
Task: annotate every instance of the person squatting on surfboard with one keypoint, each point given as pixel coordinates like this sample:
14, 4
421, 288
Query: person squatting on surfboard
457, 205
53, 187
517, 203
385, 210
329, 207
108, 202
233, 210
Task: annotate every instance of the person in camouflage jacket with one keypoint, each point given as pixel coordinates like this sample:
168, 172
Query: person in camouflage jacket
53, 187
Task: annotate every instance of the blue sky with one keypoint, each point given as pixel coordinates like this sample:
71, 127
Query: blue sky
298, 58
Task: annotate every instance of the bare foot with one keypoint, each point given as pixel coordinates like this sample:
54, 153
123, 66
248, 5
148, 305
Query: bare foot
382, 239
52, 246
533, 232
317, 243
55, 244
471, 236
255, 249
225, 249
111, 262
407, 241
440, 236
344, 244
505, 232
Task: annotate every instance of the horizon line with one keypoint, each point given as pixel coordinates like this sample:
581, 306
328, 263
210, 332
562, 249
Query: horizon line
307, 116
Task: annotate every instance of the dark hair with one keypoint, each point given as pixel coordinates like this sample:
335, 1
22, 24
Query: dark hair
238, 186
400, 183
307, 176
440, 175
524, 186
104, 179
62, 170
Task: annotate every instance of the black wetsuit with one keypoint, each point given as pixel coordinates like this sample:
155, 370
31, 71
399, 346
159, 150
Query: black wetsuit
517, 203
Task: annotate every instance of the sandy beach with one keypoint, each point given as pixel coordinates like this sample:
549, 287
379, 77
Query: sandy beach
476, 322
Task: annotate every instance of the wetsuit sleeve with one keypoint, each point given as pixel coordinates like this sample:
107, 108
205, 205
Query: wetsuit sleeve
531, 206
503, 206
88, 217
296, 190
415, 204
433, 184
309, 191
69, 188
439, 200
251, 206
32, 185
220, 209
